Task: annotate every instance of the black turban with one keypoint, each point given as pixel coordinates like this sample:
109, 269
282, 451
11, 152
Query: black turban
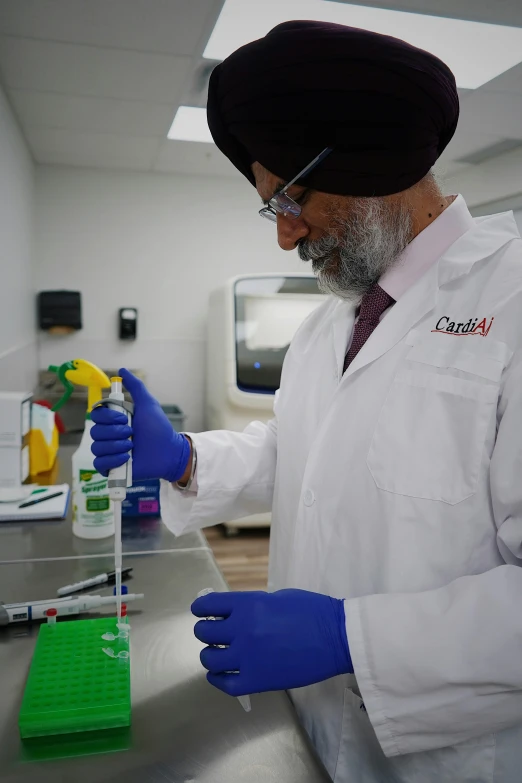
387, 108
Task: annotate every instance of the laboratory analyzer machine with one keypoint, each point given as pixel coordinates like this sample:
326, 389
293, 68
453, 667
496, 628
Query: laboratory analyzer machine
251, 322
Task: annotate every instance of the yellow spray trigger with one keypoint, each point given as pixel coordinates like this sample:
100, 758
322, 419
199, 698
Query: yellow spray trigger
84, 373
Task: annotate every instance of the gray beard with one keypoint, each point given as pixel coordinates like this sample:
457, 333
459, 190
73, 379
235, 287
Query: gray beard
356, 252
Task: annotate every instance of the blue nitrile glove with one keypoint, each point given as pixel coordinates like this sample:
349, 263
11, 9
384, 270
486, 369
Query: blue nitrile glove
158, 451
275, 641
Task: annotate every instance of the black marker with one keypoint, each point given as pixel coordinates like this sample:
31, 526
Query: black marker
40, 500
94, 580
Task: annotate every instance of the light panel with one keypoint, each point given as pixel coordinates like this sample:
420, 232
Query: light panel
476, 52
190, 124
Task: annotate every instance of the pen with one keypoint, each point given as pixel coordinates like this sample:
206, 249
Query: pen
40, 500
95, 580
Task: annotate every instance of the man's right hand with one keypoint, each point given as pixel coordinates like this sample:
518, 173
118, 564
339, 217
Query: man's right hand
158, 451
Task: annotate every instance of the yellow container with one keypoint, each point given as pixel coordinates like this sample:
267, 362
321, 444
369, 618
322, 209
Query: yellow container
42, 455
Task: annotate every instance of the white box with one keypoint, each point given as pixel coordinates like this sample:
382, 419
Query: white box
15, 418
14, 465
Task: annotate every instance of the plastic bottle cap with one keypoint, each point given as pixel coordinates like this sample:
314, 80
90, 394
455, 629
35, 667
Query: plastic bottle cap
124, 590
51, 612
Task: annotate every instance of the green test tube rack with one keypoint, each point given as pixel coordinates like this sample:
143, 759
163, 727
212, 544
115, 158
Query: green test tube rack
73, 685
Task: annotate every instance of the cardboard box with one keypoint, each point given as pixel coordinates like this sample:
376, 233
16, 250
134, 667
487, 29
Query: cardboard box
14, 465
143, 499
15, 418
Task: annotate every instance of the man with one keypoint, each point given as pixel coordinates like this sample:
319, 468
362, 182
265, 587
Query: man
393, 463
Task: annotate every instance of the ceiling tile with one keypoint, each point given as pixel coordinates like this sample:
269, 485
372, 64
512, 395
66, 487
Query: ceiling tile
489, 111
185, 157
168, 26
464, 143
68, 148
84, 70
507, 12
509, 81
87, 78
448, 168
100, 115
492, 151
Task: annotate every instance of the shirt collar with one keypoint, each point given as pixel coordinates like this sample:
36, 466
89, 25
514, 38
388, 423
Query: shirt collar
426, 248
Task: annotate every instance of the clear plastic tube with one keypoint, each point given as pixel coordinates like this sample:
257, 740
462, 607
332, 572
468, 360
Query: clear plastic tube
117, 553
245, 702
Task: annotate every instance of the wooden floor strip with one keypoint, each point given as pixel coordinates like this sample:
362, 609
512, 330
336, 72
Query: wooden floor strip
243, 559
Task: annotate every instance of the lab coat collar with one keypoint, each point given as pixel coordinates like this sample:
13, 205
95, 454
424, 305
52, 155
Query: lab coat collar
426, 248
343, 319
486, 237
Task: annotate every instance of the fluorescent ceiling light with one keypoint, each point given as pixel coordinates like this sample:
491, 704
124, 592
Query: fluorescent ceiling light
475, 52
190, 124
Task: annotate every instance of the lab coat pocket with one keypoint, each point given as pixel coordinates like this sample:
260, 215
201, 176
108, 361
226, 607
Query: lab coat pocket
469, 762
360, 757
429, 438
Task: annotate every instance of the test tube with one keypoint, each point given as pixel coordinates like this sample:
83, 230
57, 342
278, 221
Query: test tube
123, 620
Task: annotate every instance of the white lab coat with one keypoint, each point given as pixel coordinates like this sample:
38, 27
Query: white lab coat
398, 487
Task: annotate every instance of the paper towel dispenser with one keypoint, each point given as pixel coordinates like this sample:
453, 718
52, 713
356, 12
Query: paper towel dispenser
60, 311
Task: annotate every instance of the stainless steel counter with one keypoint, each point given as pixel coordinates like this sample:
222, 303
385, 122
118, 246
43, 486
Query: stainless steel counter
44, 540
36, 540
183, 730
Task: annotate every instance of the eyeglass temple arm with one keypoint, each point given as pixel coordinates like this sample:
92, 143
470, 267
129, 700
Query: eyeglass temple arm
315, 162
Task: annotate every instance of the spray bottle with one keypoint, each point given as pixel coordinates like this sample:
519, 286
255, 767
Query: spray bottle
92, 506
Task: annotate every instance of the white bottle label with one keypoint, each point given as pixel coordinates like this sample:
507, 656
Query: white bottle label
93, 507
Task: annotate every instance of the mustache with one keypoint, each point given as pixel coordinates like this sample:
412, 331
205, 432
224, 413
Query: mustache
317, 250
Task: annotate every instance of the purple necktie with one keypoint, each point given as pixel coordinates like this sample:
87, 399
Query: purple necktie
373, 305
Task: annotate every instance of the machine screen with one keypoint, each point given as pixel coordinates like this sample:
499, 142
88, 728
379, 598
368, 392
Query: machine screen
269, 311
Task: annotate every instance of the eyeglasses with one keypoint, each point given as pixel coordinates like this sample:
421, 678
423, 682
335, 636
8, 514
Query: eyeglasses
283, 204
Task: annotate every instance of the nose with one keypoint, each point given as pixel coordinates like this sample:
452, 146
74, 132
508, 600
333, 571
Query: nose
290, 231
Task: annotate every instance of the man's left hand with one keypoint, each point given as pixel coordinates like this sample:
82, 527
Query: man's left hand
273, 641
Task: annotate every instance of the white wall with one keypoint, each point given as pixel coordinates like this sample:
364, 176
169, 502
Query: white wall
518, 217
18, 361
156, 242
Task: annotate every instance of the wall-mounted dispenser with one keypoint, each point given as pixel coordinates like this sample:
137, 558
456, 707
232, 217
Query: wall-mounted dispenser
60, 312
128, 321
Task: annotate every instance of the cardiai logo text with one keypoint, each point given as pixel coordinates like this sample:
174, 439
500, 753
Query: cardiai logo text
463, 329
